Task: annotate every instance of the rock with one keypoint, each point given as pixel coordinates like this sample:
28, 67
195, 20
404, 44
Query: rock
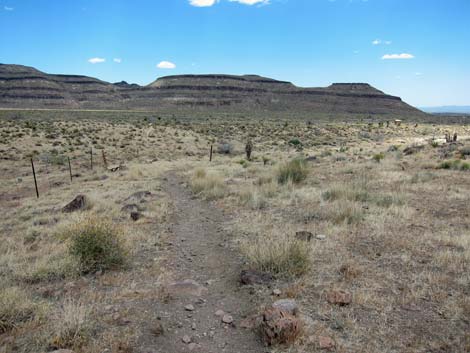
186, 339
78, 203
251, 322
326, 343
189, 307
304, 235
320, 236
339, 297
139, 196
279, 327
158, 329
250, 277
227, 319
286, 305
192, 346
135, 216
277, 292
63, 351
219, 313
186, 288
412, 149
131, 207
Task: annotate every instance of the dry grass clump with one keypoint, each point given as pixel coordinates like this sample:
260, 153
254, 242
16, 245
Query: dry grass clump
211, 186
71, 326
96, 243
279, 255
15, 308
293, 171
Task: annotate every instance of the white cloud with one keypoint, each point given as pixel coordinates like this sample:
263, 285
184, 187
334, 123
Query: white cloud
202, 3
380, 41
418, 73
397, 56
96, 60
166, 65
7, 8
251, 2
117, 60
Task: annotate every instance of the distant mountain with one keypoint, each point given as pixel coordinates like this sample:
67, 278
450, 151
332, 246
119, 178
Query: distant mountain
455, 109
26, 87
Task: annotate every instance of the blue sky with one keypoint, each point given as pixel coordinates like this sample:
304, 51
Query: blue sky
416, 49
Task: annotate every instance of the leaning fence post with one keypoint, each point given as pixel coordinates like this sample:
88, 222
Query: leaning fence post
210, 155
105, 161
70, 169
35, 181
91, 158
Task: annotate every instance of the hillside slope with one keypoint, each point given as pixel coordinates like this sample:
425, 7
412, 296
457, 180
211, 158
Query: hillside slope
26, 87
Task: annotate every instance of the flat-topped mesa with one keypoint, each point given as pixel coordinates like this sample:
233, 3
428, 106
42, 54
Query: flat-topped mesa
221, 81
26, 87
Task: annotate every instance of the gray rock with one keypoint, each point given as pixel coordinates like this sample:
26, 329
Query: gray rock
288, 305
250, 277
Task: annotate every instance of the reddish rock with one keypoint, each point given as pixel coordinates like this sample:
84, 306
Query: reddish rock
339, 297
326, 343
278, 327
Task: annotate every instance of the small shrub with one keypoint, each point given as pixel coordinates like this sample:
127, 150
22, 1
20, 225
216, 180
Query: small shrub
225, 148
282, 255
295, 142
15, 308
96, 244
71, 325
378, 157
211, 186
295, 171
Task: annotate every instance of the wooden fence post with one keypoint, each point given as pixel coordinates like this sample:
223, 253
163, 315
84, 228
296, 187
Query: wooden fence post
210, 156
105, 161
35, 181
91, 158
70, 169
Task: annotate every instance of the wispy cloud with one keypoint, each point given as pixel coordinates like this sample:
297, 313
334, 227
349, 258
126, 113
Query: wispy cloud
117, 60
251, 2
166, 65
208, 3
7, 8
397, 56
96, 60
202, 3
380, 41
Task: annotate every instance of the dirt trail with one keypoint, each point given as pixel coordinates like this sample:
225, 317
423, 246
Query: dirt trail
201, 252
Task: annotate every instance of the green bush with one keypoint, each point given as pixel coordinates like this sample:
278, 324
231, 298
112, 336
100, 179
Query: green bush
295, 142
378, 157
96, 244
295, 171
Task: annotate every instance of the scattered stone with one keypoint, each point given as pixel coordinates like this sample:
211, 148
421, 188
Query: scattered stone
219, 313
189, 307
326, 343
186, 339
412, 149
131, 207
227, 319
186, 288
63, 351
193, 326
158, 329
304, 235
339, 297
139, 196
135, 216
320, 236
250, 277
78, 203
192, 346
287, 305
279, 327
277, 292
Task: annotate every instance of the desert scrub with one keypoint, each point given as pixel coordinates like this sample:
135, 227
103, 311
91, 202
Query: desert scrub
378, 157
209, 185
15, 308
293, 171
96, 244
280, 255
455, 165
71, 326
